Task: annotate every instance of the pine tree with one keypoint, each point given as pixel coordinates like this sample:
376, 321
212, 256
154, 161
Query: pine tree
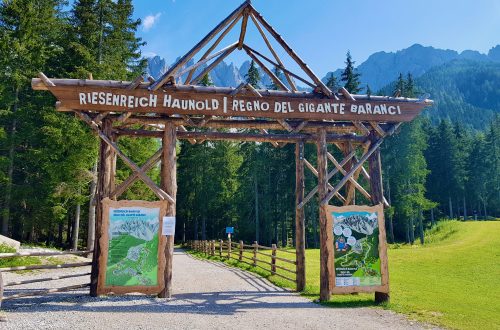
368, 91
350, 76
279, 74
400, 88
253, 76
206, 81
332, 83
409, 88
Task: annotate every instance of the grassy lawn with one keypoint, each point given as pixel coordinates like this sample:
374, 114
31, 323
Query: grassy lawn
453, 281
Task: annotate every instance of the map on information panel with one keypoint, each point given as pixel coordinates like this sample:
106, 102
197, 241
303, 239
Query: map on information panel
133, 246
356, 239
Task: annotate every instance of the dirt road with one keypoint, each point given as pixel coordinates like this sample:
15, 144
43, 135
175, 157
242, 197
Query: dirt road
207, 295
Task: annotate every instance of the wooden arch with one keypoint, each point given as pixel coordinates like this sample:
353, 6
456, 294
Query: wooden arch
175, 107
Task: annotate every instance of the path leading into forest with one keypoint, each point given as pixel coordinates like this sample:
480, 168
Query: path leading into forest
207, 295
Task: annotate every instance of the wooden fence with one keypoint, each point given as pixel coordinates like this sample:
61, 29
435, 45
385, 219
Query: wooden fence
254, 255
53, 278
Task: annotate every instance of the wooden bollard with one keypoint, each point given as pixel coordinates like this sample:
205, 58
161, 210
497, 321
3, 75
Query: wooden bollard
273, 259
255, 249
241, 251
220, 248
213, 248
229, 248
1, 290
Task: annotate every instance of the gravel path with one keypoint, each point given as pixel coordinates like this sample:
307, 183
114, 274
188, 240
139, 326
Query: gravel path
207, 295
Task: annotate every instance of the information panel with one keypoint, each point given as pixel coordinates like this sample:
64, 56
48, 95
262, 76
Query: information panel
359, 248
132, 247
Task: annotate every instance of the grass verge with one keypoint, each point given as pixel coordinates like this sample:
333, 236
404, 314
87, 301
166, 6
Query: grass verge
452, 281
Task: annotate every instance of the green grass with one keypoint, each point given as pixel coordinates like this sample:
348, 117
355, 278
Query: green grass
452, 281
16, 261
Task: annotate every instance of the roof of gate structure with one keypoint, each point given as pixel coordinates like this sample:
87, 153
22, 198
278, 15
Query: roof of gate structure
178, 96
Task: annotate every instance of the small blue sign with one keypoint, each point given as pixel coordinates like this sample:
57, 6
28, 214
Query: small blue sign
229, 230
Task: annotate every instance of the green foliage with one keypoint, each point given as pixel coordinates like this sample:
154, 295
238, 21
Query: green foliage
350, 76
16, 261
279, 74
332, 83
206, 80
253, 76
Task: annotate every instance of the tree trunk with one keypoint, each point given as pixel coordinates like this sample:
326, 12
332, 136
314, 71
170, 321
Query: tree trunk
76, 227
421, 227
69, 230
60, 230
432, 218
196, 229
465, 209
412, 231
203, 228
451, 208
92, 210
10, 169
391, 228
256, 208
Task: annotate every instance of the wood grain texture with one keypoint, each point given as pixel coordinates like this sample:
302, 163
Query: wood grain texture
300, 230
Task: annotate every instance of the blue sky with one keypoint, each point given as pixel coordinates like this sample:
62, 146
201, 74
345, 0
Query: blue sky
322, 31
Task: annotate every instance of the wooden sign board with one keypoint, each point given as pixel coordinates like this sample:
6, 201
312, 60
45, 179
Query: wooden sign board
132, 255
215, 102
360, 249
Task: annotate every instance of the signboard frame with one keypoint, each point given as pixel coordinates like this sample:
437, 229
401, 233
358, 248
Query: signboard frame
102, 288
382, 249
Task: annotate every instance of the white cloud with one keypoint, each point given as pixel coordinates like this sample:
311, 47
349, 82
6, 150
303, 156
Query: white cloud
149, 21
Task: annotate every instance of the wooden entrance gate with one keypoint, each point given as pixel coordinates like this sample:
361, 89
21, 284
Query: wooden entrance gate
175, 107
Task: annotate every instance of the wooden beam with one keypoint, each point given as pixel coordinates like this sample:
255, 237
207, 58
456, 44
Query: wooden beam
211, 66
352, 180
201, 62
271, 74
326, 227
285, 125
346, 94
377, 128
300, 126
220, 136
292, 53
182, 61
184, 129
134, 84
243, 29
363, 159
151, 162
169, 184
252, 90
214, 45
330, 175
279, 66
300, 236
147, 180
47, 82
271, 49
316, 174
359, 125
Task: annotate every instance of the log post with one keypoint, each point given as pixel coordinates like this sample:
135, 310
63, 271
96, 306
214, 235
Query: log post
229, 247
221, 242
1, 289
255, 249
377, 194
300, 236
241, 251
273, 258
326, 227
169, 185
105, 183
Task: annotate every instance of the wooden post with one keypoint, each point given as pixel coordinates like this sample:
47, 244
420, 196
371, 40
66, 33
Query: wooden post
255, 248
169, 185
105, 183
221, 242
241, 251
300, 232
273, 259
1, 289
326, 227
377, 193
229, 247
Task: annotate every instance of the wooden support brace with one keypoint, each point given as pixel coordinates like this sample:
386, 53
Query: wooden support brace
183, 129
151, 162
360, 126
147, 180
98, 119
346, 94
271, 49
377, 128
300, 126
286, 125
182, 61
46, 80
243, 29
315, 172
271, 74
214, 45
212, 65
363, 159
352, 180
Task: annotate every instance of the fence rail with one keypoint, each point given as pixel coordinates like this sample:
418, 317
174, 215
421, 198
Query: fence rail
46, 279
237, 250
